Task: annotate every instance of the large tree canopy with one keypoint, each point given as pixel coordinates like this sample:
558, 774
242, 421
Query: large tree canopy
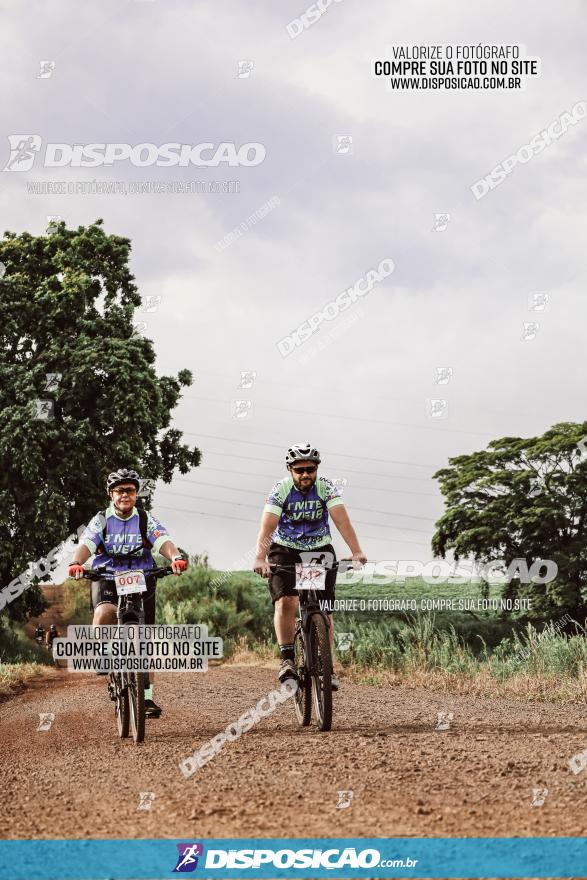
523, 498
67, 302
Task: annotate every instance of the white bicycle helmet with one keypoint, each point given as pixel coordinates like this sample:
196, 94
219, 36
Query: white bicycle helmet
302, 452
123, 475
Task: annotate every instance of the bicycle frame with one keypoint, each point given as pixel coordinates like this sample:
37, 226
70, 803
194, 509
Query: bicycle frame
309, 605
125, 688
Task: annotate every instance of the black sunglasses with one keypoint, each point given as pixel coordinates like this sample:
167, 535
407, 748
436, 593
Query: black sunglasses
125, 490
304, 470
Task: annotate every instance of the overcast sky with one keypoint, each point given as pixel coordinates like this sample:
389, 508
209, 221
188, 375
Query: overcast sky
161, 71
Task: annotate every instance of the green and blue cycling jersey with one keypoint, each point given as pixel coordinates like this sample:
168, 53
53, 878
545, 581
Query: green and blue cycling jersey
303, 516
113, 536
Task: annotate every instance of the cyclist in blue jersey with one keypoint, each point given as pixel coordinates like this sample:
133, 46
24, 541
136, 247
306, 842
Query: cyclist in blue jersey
296, 519
123, 538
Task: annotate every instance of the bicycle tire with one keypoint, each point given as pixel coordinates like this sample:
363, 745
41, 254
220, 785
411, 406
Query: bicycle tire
303, 695
136, 687
321, 672
121, 709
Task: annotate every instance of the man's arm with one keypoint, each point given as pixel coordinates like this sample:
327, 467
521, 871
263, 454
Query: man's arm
158, 537
269, 523
81, 555
170, 551
342, 522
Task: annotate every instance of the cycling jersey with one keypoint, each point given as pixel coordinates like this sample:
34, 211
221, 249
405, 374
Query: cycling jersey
303, 516
113, 535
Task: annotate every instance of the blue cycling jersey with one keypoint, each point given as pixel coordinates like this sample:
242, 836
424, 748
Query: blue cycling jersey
303, 516
113, 536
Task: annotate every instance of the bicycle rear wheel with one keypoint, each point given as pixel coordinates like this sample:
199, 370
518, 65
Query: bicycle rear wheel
136, 688
303, 695
120, 704
321, 672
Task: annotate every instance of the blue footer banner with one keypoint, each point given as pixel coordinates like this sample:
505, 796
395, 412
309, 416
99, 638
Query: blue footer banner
311, 857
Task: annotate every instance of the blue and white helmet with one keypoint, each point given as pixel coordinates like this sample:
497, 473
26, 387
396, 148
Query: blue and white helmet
123, 475
302, 452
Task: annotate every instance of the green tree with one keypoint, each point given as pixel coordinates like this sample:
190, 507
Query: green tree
523, 498
67, 301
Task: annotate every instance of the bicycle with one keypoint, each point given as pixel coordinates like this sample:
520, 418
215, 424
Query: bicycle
312, 651
127, 689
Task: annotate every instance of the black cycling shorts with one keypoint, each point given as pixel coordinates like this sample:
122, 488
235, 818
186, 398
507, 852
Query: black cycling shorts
104, 591
283, 583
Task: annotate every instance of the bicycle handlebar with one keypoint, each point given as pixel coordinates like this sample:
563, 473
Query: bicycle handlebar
336, 564
101, 573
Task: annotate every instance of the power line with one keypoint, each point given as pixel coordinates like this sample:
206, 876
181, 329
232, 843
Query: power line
349, 470
254, 492
256, 507
347, 418
206, 467
344, 454
255, 522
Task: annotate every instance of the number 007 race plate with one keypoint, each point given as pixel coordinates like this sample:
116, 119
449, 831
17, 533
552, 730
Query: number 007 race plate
130, 582
310, 577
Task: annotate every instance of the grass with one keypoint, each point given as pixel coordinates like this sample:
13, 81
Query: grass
20, 659
481, 653
16, 647
533, 664
76, 602
13, 677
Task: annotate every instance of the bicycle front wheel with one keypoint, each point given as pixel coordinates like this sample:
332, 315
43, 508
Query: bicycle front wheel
303, 695
120, 704
321, 672
136, 689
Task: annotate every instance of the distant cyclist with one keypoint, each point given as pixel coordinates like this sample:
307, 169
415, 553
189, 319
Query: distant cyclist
295, 518
122, 538
40, 633
52, 634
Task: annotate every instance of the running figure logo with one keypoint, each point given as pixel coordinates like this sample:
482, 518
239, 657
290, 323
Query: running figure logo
187, 860
344, 799
23, 149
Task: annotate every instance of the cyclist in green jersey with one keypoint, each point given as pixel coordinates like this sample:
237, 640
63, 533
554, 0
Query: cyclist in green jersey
296, 519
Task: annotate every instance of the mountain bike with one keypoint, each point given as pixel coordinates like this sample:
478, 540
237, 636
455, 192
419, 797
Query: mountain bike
312, 651
127, 689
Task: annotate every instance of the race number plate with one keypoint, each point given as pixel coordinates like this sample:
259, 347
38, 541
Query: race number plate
130, 582
310, 577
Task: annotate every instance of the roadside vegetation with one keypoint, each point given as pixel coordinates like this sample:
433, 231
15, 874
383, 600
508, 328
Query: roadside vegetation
20, 659
485, 652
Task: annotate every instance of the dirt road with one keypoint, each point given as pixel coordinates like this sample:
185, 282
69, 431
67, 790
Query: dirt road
79, 780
